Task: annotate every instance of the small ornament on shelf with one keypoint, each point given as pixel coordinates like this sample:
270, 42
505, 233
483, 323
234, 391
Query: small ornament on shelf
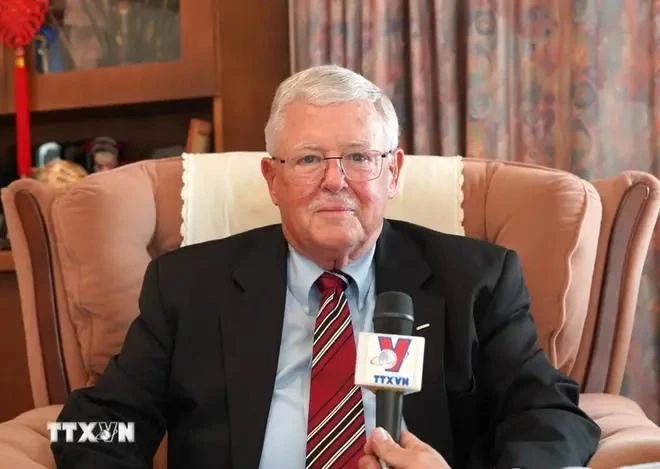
61, 173
102, 154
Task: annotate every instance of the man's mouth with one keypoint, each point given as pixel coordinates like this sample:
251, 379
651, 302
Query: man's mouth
335, 209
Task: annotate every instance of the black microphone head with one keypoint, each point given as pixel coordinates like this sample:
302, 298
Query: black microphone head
393, 313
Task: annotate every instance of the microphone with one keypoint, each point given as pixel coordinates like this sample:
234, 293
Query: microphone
390, 360
393, 314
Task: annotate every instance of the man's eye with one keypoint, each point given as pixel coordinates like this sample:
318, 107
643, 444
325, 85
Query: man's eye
358, 157
308, 159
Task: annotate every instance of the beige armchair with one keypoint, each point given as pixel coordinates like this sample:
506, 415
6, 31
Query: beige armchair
80, 255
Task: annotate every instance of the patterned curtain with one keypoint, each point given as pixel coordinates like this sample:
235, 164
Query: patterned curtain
570, 84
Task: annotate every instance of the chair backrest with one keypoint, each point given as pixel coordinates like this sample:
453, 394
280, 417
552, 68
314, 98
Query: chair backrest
80, 255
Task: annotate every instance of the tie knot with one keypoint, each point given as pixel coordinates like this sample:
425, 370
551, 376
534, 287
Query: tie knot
331, 281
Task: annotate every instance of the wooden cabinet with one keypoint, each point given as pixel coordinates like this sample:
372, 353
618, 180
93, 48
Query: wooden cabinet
94, 74
15, 392
230, 53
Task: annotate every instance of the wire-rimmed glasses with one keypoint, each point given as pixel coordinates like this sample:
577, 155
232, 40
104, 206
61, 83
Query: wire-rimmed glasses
358, 166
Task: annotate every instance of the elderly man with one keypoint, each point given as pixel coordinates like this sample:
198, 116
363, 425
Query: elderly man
244, 347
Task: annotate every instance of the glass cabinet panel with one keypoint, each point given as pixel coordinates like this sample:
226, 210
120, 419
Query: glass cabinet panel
90, 34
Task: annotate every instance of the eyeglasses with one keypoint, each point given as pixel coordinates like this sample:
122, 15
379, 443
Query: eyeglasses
357, 166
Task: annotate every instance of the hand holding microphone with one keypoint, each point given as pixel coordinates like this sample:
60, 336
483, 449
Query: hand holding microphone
411, 454
390, 363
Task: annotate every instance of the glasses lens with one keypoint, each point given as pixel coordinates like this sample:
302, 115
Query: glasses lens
306, 168
362, 166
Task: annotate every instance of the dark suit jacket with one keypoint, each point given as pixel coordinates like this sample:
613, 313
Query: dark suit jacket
200, 359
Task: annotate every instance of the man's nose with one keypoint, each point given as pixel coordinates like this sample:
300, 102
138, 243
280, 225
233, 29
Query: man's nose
334, 179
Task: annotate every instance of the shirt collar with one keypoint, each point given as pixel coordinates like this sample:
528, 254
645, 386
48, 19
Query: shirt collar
302, 273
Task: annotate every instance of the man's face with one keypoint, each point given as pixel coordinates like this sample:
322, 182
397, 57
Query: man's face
331, 214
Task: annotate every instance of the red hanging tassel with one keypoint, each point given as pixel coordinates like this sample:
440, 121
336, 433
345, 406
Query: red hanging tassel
23, 142
19, 22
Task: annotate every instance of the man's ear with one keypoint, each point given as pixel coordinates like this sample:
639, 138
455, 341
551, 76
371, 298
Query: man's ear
394, 169
268, 171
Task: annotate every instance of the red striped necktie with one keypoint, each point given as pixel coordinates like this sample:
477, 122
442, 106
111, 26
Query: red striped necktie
335, 427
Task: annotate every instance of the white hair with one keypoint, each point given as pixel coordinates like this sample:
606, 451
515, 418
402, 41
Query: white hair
328, 84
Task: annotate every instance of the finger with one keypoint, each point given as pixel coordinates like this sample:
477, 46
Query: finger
368, 462
387, 449
368, 447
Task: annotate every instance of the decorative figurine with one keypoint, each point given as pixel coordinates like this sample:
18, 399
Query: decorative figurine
103, 154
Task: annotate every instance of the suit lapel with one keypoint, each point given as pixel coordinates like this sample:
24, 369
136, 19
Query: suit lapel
251, 333
401, 266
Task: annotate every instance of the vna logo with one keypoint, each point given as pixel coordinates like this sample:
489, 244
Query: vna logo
391, 355
108, 431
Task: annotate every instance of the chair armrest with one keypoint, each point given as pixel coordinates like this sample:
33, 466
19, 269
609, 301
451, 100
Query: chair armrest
24, 440
628, 436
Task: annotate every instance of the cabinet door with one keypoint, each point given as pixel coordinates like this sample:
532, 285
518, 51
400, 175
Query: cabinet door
104, 52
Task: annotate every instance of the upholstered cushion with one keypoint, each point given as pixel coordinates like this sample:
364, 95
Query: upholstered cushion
108, 226
106, 231
628, 436
551, 219
25, 440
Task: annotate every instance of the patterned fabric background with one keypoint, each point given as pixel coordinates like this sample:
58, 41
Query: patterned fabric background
571, 84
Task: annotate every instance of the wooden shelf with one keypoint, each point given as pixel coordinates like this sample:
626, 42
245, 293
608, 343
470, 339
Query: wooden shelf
6, 261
